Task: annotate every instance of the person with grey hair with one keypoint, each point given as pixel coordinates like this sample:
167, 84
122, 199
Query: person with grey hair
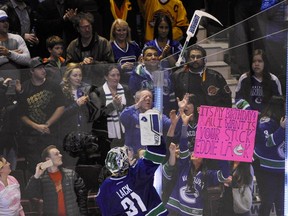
130, 118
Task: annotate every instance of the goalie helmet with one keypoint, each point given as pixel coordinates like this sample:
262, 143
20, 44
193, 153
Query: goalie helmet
117, 161
78, 142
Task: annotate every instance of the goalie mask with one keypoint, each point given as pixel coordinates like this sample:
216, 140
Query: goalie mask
117, 161
78, 142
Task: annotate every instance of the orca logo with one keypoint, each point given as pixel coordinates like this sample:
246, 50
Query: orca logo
238, 150
281, 150
184, 196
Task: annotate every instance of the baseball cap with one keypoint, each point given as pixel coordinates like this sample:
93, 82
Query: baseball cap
36, 62
3, 15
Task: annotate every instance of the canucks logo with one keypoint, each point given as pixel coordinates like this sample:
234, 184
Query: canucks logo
281, 150
238, 150
187, 197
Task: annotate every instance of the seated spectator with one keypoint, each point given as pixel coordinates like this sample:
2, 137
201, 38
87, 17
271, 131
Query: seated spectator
54, 64
172, 8
10, 195
256, 87
23, 23
126, 10
114, 97
163, 41
144, 76
89, 48
126, 52
13, 50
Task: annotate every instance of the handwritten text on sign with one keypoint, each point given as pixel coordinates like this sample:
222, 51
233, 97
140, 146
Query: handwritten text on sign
225, 133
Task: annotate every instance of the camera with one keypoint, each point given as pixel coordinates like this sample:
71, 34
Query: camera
11, 89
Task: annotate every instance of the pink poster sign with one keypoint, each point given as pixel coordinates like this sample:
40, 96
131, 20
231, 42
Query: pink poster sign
225, 133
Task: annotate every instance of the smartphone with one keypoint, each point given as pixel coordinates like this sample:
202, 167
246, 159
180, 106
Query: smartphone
11, 90
46, 164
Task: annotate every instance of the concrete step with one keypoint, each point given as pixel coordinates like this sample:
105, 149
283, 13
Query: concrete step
221, 67
201, 34
215, 50
232, 83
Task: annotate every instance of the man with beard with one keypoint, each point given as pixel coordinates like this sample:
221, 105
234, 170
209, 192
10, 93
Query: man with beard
195, 78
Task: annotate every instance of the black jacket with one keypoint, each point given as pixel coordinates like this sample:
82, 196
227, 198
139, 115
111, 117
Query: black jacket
210, 88
75, 193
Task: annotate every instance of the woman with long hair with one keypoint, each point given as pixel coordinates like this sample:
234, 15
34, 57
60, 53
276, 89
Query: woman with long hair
185, 175
77, 104
76, 95
242, 185
163, 40
256, 87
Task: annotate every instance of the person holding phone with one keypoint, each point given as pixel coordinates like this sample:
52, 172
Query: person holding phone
62, 191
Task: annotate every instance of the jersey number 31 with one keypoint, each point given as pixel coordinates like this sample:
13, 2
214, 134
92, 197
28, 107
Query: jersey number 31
129, 203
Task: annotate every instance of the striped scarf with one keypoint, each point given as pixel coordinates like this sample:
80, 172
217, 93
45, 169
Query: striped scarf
113, 123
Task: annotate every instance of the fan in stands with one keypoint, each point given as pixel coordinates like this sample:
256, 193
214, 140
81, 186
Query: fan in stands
82, 145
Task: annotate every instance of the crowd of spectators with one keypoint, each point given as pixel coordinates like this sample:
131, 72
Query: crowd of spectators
90, 67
